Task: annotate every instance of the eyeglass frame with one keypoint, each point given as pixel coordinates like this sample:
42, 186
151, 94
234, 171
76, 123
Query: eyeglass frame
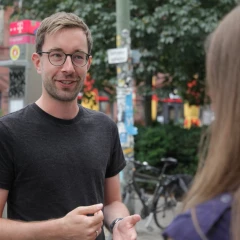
66, 55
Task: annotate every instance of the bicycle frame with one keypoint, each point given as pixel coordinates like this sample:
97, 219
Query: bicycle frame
160, 188
158, 180
147, 206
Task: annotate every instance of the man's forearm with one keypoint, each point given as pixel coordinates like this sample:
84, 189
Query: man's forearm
113, 211
17, 230
121, 229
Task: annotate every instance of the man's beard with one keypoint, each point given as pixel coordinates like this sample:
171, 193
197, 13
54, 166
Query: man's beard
64, 95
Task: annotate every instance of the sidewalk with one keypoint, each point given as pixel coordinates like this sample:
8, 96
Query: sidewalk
145, 234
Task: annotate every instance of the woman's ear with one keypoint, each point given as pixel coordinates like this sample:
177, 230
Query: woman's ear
36, 59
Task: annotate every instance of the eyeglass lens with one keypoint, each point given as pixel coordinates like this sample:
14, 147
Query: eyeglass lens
58, 58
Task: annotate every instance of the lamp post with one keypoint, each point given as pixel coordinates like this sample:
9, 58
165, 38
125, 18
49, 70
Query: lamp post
124, 91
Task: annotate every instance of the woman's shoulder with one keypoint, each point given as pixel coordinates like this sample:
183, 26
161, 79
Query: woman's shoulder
213, 218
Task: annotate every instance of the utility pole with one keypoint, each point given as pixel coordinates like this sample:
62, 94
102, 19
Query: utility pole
124, 91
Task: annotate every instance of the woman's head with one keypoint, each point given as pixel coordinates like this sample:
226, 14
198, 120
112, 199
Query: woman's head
59, 21
223, 63
222, 164
223, 80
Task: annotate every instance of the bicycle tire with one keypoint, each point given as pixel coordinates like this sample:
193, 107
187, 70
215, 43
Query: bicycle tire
165, 210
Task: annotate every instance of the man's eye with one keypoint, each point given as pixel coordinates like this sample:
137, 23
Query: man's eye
56, 55
78, 57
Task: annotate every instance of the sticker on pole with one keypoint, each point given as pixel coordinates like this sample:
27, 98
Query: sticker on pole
117, 55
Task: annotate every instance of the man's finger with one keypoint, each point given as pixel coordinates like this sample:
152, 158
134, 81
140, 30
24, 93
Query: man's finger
133, 219
88, 209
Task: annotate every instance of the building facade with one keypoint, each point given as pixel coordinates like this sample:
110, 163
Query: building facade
4, 55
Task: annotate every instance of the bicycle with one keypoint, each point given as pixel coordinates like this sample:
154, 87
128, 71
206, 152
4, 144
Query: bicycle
168, 191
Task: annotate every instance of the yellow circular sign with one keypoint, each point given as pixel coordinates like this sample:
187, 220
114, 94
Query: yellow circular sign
14, 52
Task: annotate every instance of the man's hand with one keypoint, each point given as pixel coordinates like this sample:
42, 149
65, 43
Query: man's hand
125, 229
77, 224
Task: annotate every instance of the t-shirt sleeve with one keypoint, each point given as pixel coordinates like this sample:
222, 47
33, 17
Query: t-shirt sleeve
117, 161
6, 158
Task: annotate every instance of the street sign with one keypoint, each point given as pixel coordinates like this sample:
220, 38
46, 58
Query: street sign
117, 55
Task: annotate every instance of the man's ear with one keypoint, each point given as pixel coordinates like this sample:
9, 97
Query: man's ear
36, 62
89, 62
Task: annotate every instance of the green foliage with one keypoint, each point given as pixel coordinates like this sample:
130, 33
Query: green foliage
153, 143
6, 2
171, 38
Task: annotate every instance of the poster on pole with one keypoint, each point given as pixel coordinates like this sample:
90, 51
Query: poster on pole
131, 130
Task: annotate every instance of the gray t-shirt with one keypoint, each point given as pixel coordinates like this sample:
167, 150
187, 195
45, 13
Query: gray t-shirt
51, 166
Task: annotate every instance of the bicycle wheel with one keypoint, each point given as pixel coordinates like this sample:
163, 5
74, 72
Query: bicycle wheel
165, 210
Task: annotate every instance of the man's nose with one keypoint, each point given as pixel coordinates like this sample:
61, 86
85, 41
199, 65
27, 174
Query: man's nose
68, 65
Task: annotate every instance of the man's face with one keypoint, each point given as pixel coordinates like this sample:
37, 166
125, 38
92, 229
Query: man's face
62, 83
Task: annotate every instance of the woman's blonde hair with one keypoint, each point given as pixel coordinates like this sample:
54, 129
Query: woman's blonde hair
58, 21
219, 169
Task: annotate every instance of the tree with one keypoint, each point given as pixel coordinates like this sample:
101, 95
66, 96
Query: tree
169, 34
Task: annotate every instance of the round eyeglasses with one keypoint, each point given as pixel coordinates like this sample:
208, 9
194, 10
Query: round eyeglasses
58, 58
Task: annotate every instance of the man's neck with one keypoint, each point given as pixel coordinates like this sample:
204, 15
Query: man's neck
58, 109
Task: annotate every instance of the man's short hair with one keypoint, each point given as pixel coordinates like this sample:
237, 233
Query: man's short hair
58, 21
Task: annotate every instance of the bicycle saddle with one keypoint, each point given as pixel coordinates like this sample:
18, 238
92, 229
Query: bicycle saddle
169, 160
